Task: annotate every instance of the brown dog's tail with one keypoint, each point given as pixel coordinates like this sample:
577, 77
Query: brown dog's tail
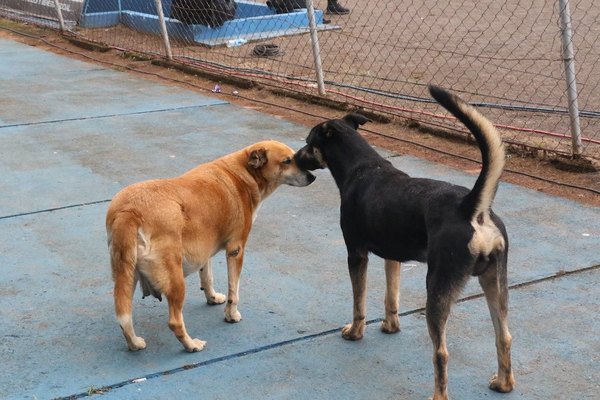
122, 247
122, 243
125, 238
477, 204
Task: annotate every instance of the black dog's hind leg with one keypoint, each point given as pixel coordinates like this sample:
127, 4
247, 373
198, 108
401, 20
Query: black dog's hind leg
391, 323
442, 291
495, 287
357, 266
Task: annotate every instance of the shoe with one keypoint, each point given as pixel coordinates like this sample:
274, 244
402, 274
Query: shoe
333, 7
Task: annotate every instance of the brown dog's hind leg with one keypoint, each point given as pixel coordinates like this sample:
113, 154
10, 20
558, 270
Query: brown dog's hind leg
496, 295
123, 293
206, 284
175, 296
122, 243
357, 266
391, 323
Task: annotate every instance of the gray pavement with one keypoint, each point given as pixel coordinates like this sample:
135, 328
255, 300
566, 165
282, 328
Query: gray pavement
72, 134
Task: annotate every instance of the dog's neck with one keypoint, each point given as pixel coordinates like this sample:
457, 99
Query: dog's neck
348, 154
251, 186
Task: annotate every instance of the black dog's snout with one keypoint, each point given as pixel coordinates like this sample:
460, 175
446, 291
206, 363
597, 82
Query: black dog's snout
306, 160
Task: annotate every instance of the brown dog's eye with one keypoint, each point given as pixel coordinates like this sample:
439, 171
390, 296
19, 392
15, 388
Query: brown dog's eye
287, 161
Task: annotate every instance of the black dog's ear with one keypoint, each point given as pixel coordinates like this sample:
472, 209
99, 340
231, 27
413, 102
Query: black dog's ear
257, 158
320, 131
327, 131
355, 120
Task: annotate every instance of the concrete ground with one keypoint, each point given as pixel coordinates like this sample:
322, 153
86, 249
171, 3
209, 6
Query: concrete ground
72, 134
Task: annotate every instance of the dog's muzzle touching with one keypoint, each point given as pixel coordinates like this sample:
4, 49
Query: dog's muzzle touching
303, 179
309, 158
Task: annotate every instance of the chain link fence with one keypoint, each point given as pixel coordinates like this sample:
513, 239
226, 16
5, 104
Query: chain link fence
508, 57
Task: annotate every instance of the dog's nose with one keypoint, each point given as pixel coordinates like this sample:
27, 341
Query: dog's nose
311, 177
305, 160
299, 154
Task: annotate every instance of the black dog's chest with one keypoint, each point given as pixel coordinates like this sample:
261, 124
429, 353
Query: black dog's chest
399, 251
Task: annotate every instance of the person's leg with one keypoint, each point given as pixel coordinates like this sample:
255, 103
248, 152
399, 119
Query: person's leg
334, 7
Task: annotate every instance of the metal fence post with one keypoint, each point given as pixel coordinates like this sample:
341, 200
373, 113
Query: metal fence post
314, 39
61, 21
163, 28
569, 60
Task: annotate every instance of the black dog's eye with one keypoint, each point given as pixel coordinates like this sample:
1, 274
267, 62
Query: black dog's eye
287, 161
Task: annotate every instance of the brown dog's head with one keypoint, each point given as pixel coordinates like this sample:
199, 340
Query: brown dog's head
274, 161
312, 156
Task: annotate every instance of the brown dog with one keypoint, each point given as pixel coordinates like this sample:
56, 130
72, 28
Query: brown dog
160, 231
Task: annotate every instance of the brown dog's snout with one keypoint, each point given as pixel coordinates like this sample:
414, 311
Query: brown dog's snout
306, 160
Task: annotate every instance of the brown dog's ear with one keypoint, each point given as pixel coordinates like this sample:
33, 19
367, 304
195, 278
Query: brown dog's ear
257, 158
355, 120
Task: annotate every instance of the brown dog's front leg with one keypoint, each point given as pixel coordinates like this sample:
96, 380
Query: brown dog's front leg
357, 266
235, 258
206, 284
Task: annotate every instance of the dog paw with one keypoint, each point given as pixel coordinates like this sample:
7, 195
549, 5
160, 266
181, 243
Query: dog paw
233, 317
390, 326
217, 298
502, 386
350, 332
137, 343
196, 345
438, 398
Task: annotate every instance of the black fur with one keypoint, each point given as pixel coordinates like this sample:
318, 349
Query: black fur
399, 218
213, 13
286, 6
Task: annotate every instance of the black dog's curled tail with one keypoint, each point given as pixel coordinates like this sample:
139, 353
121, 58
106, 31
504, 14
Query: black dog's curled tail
478, 202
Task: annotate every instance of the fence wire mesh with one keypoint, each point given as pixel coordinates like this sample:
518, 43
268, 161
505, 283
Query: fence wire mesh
506, 57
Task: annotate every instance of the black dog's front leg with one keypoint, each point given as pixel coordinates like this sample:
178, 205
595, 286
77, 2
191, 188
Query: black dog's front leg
357, 266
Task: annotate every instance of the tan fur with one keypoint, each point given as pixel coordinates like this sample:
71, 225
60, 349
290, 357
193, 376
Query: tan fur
391, 323
497, 156
487, 238
160, 231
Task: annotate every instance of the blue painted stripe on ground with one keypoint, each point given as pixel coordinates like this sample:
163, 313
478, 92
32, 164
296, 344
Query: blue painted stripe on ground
89, 203
92, 117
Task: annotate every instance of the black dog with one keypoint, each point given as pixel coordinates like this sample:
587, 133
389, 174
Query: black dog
399, 218
211, 13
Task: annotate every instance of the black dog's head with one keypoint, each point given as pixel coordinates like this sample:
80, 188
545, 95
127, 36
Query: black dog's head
312, 156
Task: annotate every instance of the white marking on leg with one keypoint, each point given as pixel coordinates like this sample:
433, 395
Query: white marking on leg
133, 342
206, 284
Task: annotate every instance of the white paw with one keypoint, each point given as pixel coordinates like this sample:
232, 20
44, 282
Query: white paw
233, 317
137, 343
217, 298
197, 345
